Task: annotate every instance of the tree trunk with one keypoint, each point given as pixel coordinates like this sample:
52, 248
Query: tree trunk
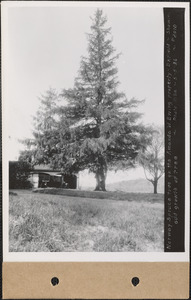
155, 186
100, 180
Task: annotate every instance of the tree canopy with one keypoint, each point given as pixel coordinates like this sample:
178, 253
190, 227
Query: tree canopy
152, 157
41, 148
98, 127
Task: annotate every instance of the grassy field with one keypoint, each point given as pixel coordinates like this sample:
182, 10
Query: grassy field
115, 195
57, 223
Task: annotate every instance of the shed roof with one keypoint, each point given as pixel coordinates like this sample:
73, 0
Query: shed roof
45, 168
48, 173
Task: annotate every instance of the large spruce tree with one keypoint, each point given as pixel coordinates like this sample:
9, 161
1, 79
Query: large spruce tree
99, 128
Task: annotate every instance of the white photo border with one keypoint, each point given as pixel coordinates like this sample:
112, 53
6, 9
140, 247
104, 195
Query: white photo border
94, 256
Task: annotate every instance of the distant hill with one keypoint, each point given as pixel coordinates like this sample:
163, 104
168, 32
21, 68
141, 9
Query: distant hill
136, 186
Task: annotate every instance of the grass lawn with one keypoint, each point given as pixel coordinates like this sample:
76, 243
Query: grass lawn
59, 223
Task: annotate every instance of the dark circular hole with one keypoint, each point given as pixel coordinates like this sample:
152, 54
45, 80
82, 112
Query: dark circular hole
135, 281
55, 281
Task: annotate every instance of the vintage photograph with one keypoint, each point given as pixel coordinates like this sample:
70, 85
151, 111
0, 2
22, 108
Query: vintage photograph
84, 90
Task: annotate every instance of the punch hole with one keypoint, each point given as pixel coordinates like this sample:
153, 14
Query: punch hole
54, 281
135, 281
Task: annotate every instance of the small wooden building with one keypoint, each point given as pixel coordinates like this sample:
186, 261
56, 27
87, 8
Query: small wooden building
44, 176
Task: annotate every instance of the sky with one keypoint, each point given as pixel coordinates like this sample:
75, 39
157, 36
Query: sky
42, 48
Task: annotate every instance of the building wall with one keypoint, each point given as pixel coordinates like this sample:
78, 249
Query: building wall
34, 179
42, 180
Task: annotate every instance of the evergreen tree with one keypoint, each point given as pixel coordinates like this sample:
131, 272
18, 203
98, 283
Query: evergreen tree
42, 147
98, 128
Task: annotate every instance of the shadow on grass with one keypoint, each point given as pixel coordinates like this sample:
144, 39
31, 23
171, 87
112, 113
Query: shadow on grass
103, 195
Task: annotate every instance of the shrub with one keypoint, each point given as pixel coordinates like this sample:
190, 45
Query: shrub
19, 172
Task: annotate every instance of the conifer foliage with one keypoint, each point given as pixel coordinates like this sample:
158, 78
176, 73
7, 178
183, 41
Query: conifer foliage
42, 148
45, 124
103, 129
98, 128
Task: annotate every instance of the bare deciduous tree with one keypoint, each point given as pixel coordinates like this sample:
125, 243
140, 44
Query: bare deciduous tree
152, 158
